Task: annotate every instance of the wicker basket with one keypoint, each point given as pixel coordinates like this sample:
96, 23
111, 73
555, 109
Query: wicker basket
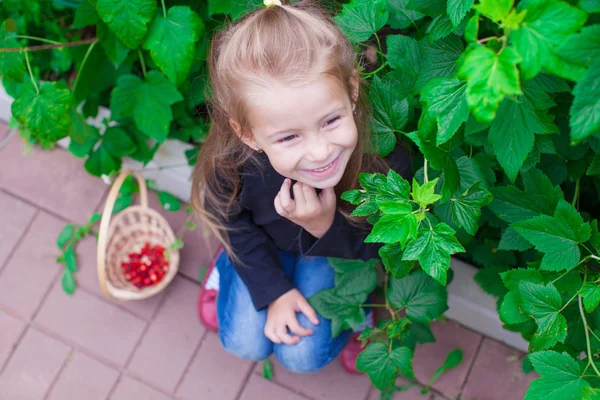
125, 233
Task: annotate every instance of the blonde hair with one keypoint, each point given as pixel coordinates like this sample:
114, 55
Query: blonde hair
287, 43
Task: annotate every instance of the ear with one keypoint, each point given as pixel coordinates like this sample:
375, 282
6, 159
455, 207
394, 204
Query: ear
245, 137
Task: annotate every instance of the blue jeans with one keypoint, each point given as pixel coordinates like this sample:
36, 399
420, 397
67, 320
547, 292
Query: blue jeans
241, 327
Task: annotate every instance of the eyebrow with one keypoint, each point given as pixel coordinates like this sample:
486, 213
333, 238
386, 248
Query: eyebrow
334, 110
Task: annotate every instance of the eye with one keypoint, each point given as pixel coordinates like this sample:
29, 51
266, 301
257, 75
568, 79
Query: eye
287, 139
332, 121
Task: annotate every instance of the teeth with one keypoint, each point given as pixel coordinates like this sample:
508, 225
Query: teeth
324, 168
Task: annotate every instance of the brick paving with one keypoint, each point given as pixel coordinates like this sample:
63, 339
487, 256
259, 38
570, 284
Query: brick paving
57, 347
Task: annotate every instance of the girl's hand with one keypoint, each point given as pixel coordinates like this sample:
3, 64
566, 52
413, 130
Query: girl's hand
281, 315
313, 213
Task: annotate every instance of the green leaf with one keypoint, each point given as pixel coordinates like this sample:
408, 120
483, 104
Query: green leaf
466, 209
590, 292
71, 259
496, 10
539, 35
446, 101
402, 16
439, 28
457, 10
171, 41
65, 235
557, 236
424, 298
490, 77
453, 360
68, 282
118, 143
148, 102
267, 370
391, 257
383, 365
122, 202
94, 218
354, 276
560, 377
113, 47
582, 47
12, 65
128, 19
397, 227
511, 240
490, 280
395, 188
510, 312
404, 55
543, 303
428, 7
345, 312
433, 248
101, 162
389, 115
594, 168
80, 130
585, 111
360, 19
590, 393
513, 277
168, 201
438, 59
45, 114
85, 15
425, 195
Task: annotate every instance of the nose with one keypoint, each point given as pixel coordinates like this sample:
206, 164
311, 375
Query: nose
318, 149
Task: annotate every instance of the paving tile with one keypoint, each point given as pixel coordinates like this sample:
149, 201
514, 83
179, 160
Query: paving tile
66, 187
214, 373
497, 374
131, 389
410, 394
428, 357
258, 388
31, 270
92, 323
330, 383
87, 277
10, 331
172, 337
33, 367
15, 216
84, 378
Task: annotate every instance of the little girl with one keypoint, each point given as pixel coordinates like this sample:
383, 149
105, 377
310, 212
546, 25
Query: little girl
289, 136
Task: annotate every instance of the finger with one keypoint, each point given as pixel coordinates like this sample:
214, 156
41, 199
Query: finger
286, 338
270, 334
308, 311
310, 194
286, 201
327, 197
299, 195
298, 329
278, 208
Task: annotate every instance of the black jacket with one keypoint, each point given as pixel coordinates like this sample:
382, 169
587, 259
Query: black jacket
258, 232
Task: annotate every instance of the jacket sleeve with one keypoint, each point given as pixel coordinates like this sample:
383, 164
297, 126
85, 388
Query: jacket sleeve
344, 239
260, 266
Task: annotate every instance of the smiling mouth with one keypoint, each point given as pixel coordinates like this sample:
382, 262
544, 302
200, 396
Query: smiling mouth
325, 168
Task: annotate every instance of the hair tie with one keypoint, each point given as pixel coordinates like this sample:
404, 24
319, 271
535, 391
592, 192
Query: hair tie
271, 3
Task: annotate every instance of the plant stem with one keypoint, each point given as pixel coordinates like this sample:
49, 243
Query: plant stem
569, 302
48, 46
567, 272
377, 70
164, 8
387, 302
425, 171
373, 305
142, 62
576, 195
87, 53
587, 334
378, 43
593, 334
39, 39
37, 90
487, 39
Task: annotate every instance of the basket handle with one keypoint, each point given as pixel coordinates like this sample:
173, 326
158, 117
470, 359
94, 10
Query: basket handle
105, 222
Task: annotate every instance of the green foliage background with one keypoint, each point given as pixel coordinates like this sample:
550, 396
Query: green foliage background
500, 101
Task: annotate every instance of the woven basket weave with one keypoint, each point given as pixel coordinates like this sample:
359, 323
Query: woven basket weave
125, 233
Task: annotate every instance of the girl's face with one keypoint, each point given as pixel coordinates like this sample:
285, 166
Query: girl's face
307, 130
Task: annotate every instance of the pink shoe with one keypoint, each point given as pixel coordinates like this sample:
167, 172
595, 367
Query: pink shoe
350, 353
207, 300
